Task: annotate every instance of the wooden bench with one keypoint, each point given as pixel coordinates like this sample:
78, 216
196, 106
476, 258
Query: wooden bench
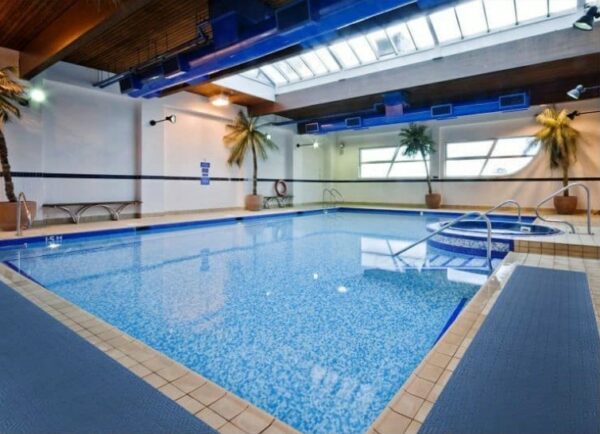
76, 209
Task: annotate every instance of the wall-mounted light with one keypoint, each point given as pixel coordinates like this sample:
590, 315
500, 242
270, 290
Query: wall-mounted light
170, 118
576, 113
586, 22
37, 95
220, 100
314, 144
576, 92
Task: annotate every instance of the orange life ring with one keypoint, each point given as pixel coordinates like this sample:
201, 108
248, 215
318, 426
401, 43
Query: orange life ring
280, 187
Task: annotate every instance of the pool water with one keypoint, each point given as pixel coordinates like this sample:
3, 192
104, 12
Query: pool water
307, 317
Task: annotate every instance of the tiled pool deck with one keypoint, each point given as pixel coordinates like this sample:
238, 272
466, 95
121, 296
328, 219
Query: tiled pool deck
230, 414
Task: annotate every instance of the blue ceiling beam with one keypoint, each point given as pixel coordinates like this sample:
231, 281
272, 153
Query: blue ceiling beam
326, 16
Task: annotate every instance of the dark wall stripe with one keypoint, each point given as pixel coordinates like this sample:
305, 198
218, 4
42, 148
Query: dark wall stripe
233, 179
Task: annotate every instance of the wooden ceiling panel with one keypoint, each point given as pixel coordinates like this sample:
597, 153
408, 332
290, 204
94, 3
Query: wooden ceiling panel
22, 20
210, 89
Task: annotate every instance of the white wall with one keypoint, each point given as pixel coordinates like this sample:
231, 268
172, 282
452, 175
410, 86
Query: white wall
345, 163
83, 130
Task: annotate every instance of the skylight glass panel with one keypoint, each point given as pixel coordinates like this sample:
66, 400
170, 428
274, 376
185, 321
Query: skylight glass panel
562, 5
314, 63
274, 75
531, 9
421, 33
300, 67
500, 13
471, 18
325, 55
252, 73
380, 41
445, 25
287, 71
344, 54
362, 49
400, 36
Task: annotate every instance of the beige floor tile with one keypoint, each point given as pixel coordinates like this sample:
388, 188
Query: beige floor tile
155, 380
392, 423
171, 391
413, 428
190, 404
172, 372
189, 382
253, 421
230, 428
423, 411
419, 387
211, 418
208, 393
407, 404
229, 406
278, 427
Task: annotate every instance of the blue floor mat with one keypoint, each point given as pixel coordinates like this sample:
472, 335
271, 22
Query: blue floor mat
53, 381
534, 366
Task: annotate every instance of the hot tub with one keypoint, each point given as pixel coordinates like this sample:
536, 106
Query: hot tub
470, 236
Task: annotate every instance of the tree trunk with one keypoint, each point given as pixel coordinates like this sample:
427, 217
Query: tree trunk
9, 188
565, 179
255, 171
427, 173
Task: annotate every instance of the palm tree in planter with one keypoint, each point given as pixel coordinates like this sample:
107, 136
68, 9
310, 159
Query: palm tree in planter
12, 94
243, 136
559, 139
416, 140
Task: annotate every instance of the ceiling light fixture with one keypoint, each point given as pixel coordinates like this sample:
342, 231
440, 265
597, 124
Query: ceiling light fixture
586, 22
170, 118
220, 100
576, 92
38, 95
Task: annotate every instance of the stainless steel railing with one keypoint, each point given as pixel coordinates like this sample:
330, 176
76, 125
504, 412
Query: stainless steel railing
334, 196
557, 192
451, 223
506, 202
22, 200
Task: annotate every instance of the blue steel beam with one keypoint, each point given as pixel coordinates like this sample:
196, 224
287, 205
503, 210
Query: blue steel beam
423, 114
329, 16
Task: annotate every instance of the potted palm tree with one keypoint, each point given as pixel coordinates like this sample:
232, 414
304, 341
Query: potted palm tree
12, 93
243, 136
416, 140
559, 140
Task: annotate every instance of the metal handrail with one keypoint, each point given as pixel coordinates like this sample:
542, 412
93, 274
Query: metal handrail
451, 223
557, 192
22, 199
506, 202
335, 191
332, 193
326, 190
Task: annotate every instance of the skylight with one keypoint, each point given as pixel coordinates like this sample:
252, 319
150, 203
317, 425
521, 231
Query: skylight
465, 19
445, 25
344, 54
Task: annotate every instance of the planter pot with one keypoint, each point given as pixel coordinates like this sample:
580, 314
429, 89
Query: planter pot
565, 204
253, 202
8, 214
433, 200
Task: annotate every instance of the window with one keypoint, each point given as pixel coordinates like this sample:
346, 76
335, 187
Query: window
495, 157
389, 162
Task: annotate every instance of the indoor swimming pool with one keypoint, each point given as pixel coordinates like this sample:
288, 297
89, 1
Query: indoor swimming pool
306, 315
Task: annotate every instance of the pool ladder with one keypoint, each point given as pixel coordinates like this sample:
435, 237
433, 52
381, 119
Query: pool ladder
334, 196
22, 199
559, 191
481, 215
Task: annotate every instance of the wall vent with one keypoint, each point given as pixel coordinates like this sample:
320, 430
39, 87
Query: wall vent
173, 67
355, 122
311, 128
441, 110
517, 100
129, 83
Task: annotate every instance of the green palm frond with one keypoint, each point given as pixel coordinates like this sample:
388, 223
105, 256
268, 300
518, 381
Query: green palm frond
242, 136
12, 93
416, 140
557, 137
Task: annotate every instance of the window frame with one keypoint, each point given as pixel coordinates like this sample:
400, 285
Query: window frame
391, 162
487, 157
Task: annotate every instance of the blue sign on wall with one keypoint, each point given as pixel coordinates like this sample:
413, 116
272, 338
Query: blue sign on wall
204, 176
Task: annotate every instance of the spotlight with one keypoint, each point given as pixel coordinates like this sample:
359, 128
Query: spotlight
268, 136
586, 22
576, 113
579, 90
170, 118
220, 100
37, 94
315, 144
